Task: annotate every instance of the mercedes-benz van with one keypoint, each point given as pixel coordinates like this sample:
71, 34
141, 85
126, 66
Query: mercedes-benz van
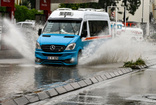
67, 31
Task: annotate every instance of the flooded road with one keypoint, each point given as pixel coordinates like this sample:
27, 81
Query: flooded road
19, 76
129, 91
137, 88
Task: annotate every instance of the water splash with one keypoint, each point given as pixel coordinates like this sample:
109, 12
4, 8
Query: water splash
21, 40
114, 51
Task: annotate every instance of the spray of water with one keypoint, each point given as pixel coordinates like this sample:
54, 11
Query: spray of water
21, 40
114, 51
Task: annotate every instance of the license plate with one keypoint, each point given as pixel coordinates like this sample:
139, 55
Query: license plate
52, 58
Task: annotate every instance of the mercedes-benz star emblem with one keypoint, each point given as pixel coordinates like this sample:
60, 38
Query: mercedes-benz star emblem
52, 47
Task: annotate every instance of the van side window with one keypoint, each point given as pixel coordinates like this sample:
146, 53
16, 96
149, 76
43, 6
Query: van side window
84, 30
98, 28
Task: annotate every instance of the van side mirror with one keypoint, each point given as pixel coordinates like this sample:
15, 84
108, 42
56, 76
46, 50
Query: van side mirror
84, 33
39, 32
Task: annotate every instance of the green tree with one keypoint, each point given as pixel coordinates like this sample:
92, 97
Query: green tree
76, 6
29, 3
131, 6
22, 13
33, 3
26, 3
101, 4
2, 9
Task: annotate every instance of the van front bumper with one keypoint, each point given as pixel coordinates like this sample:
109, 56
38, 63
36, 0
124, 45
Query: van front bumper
63, 58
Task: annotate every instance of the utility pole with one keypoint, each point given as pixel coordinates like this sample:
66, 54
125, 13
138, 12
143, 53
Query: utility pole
142, 19
148, 5
125, 4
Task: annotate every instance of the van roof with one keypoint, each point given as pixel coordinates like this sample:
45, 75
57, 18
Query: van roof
82, 13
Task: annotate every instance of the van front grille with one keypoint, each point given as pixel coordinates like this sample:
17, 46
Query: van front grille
53, 48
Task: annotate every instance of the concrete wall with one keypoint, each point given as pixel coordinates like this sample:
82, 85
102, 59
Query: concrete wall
54, 6
18, 2
154, 9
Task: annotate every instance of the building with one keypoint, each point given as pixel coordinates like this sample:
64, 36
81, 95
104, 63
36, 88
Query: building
154, 9
143, 15
18, 2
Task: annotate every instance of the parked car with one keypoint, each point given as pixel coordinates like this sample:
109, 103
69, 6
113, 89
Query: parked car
26, 24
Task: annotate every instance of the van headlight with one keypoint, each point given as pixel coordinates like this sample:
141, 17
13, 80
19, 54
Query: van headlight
71, 46
38, 45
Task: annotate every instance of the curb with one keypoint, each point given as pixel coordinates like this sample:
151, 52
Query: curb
56, 91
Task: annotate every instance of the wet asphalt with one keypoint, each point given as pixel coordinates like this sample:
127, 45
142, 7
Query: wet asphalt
20, 75
137, 88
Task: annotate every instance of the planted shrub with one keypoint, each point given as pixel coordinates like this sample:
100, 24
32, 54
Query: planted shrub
135, 64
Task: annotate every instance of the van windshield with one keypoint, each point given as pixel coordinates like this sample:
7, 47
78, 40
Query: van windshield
62, 27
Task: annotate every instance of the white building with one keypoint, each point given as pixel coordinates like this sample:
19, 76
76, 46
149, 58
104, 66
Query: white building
154, 9
141, 13
54, 6
18, 2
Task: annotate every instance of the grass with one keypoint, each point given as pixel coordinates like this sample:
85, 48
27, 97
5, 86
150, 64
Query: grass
131, 64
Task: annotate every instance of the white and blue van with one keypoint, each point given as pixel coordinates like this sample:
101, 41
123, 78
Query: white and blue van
67, 32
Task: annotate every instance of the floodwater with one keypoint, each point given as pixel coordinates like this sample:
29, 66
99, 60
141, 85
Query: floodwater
132, 89
22, 77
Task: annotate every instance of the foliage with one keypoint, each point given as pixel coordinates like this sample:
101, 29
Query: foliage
128, 64
33, 3
3, 9
131, 6
26, 3
76, 6
140, 61
99, 5
22, 13
29, 3
132, 64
